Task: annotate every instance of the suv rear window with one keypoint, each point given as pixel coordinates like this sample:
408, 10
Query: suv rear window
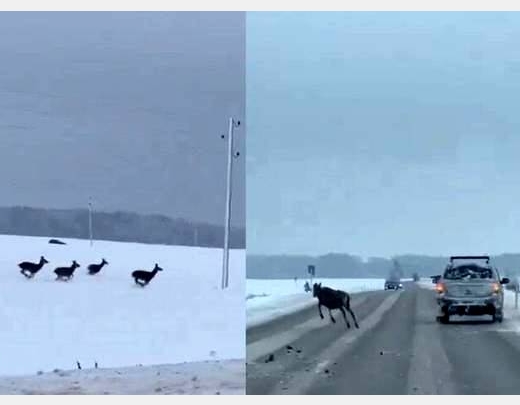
468, 271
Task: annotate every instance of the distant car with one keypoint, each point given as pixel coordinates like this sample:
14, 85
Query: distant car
393, 285
470, 289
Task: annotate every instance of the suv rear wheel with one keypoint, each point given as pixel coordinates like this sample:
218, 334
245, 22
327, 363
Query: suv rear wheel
444, 318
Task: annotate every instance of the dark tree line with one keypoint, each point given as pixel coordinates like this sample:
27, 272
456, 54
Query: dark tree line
115, 226
349, 266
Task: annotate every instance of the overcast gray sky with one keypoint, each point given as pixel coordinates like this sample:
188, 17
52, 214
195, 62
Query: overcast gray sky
126, 107
383, 133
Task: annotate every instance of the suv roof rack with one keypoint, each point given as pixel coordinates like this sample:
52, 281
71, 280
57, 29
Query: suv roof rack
484, 257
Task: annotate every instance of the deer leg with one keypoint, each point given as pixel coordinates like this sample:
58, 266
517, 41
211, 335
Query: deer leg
319, 310
331, 317
344, 316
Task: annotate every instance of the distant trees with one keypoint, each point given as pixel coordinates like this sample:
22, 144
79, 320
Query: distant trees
349, 266
415, 277
115, 226
397, 272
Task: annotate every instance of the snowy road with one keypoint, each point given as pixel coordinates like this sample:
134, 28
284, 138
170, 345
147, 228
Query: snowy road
399, 349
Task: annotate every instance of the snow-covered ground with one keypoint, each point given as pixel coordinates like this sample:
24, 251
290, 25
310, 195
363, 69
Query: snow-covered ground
268, 299
426, 283
181, 316
510, 312
226, 377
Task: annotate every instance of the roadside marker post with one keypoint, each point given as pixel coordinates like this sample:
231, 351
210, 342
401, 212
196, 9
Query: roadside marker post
311, 269
517, 288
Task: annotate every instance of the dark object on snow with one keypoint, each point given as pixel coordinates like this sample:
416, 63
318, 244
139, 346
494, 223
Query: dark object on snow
66, 273
95, 365
307, 287
95, 268
270, 358
333, 299
29, 269
56, 242
79, 365
143, 277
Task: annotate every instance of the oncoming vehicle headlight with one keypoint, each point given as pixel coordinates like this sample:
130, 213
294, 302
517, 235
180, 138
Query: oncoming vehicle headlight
495, 287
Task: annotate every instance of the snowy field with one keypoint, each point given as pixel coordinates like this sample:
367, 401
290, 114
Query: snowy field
224, 377
426, 282
268, 299
181, 316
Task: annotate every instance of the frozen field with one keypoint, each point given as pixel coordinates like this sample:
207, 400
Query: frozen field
181, 316
226, 377
268, 299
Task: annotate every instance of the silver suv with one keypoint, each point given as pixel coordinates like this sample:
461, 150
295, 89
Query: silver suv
470, 288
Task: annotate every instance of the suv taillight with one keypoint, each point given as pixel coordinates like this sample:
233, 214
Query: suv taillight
440, 288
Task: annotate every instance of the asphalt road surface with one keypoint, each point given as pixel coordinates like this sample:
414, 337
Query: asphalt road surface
398, 349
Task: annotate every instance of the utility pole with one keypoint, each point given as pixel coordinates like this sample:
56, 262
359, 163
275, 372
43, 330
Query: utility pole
231, 156
90, 219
